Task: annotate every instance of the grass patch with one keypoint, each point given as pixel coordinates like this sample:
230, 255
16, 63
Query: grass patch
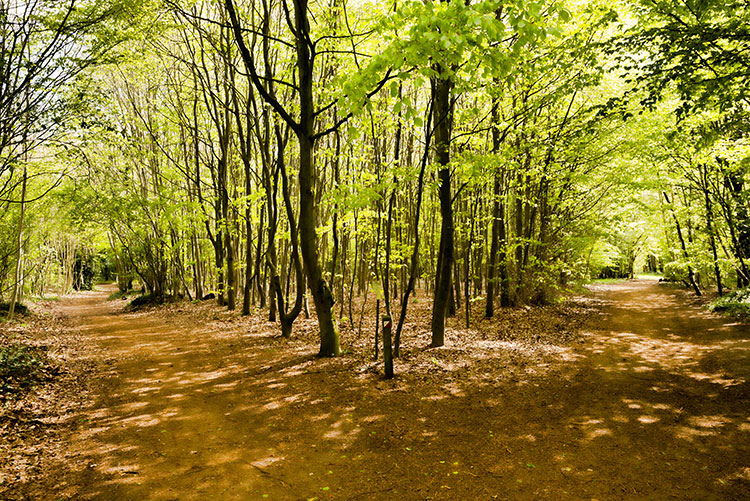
735, 303
22, 367
607, 280
649, 276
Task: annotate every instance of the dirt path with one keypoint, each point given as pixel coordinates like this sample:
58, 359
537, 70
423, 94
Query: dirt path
654, 404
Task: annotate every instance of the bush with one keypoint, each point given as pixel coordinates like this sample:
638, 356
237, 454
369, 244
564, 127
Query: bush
20, 309
147, 300
675, 272
121, 295
21, 366
735, 303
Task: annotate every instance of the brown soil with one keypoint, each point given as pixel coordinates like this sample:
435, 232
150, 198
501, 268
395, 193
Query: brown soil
649, 398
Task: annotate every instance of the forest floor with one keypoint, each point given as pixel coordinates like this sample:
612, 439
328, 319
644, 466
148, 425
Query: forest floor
633, 392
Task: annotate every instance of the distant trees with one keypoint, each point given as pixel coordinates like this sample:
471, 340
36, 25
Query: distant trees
44, 47
697, 60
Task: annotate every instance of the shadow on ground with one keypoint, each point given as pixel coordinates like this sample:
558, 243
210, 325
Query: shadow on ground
654, 404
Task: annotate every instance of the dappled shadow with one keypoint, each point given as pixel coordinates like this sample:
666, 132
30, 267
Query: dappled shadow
653, 404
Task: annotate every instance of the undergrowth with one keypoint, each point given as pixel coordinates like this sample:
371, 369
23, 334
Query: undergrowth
149, 300
735, 303
122, 294
21, 367
20, 309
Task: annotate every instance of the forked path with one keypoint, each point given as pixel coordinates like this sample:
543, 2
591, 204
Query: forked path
653, 404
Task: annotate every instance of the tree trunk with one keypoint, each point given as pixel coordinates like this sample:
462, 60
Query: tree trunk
442, 94
19, 248
322, 296
710, 230
287, 318
518, 236
691, 275
467, 264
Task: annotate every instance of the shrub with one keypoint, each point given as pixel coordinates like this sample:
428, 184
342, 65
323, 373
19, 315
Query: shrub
121, 295
675, 272
736, 302
21, 366
20, 309
145, 300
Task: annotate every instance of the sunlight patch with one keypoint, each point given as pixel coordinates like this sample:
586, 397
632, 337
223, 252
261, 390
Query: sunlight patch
266, 461
687, 433
598, 432
142, 421
272, 405
709, 421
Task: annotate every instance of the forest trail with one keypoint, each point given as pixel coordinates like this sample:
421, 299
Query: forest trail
653, 404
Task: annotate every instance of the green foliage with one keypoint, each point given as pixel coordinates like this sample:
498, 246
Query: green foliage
675, 271
735, 303
124, 295
21, 367
18, 309
166, 127
699, 48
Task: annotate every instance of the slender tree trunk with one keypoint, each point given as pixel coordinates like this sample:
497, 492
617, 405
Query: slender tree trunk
391, 201
354, 268
710, 230
219, 255
467, 264
454, 302
287, 318
378, 233
442, 91
259, 263
335, 229
197, 265
19, 249
691, 275
518, 236
231, 295
247, 286
414, 261
489, 309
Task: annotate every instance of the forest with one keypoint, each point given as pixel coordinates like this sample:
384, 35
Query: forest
336, 164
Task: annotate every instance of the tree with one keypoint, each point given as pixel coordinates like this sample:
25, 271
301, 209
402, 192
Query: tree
307, 135
700, 48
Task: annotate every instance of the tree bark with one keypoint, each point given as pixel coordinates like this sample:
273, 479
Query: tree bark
19, 248
442, 95
710, 230
322, 296
691, 275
